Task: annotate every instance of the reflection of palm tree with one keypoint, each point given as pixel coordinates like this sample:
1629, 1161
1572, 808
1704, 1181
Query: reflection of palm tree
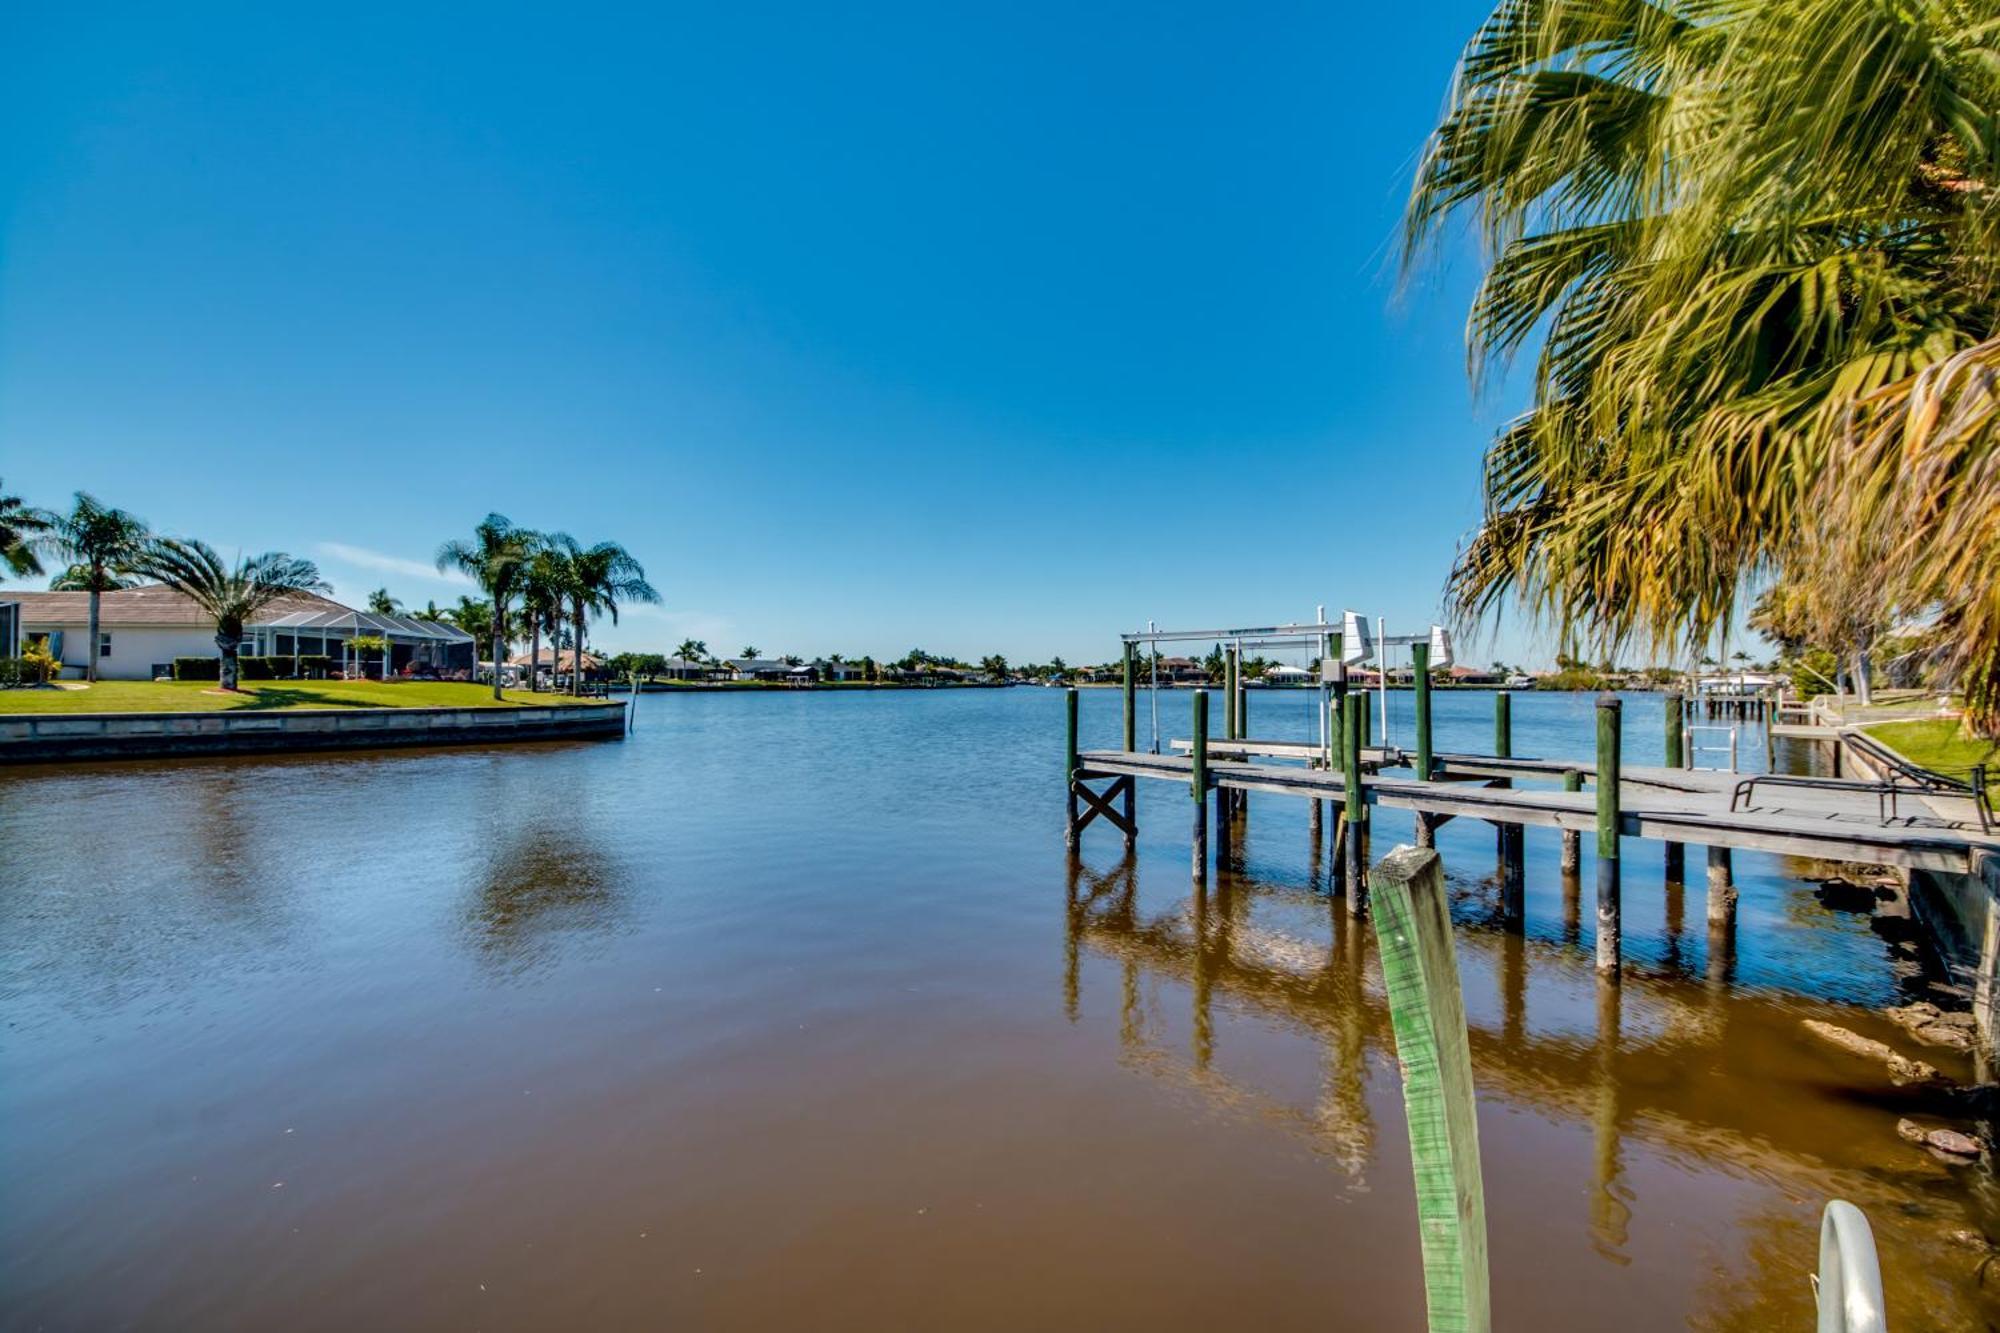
546, 879
229, 595
104, 542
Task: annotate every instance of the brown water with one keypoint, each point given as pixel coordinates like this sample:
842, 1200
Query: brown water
791, 1012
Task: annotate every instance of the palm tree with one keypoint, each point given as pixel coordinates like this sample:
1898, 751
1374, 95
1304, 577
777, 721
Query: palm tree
104, 542
544, 590
749, 651
495, 558
80, 578
230, 595
692, 650
598, 580
382, 604
475, 617
20, 528
1761, 275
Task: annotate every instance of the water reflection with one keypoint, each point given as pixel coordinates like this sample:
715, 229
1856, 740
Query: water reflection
546, 882
1680, 1067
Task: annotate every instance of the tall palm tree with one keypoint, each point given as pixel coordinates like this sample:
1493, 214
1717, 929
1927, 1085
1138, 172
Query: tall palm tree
102, 541
20, 528
598, 579
544, 592
231, 595
1761, 277
692, 650
495, 558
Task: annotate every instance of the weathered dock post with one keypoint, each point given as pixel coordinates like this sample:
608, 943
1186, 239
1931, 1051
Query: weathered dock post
1229, 669
1572, 841
1721, 887
1676, 854
1354, 819
1610, 716
1069, 766
1131, 704
1511, 837
1199, 785
1420, 682
1427, 1012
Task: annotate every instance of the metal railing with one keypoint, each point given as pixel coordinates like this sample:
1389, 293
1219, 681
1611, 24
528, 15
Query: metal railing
1848, 1287
1696, 746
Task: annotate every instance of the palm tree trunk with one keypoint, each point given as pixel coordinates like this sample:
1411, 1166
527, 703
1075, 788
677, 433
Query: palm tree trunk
499, 633
535, 653
227, 647
90, 649
576, 675
1862, 685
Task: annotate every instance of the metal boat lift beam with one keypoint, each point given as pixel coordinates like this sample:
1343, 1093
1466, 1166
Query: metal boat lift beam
1261, 636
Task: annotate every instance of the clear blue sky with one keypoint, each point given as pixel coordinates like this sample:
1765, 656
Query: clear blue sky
864, 327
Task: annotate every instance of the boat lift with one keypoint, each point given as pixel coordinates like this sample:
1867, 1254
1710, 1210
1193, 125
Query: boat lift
1338, 647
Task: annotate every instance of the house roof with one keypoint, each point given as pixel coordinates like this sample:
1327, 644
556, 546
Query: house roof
154, 605
757, 664
564, 660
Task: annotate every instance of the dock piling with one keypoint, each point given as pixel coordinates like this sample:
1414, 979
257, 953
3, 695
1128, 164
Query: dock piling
1572, 841
1420, 681
1512, 838
1069, 766
1199, 786
1721, 886
1610, 715
1355, 814
1131, 705
1676, 853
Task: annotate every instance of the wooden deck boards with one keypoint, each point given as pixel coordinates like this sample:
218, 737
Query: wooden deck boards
1674, 805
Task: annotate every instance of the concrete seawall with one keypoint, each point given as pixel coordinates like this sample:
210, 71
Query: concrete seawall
48, 737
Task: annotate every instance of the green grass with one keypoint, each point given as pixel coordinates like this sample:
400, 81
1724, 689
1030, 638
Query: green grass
1941, 746
198, 696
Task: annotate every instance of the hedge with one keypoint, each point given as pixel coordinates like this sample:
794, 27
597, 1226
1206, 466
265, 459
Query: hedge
197, 668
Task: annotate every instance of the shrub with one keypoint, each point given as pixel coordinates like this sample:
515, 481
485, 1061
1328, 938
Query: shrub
313, 666
263, 668
197, 668
28, 670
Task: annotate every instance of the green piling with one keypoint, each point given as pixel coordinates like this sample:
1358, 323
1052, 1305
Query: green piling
1420, 680
1610, 716
1503, 725
1198, 785
1355, 811
1427, 1013
1069, 765
1131, 704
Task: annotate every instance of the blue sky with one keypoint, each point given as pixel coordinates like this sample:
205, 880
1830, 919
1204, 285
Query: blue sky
864, 327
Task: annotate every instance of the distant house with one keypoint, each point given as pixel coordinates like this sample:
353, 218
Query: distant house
1181, 671
757, 668
686, 668
825, 670
140, 631
558, 662
1287, 675
1472, 675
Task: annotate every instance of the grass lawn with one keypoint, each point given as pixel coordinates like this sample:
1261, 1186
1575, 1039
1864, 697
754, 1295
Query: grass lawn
1940, 745
205, 696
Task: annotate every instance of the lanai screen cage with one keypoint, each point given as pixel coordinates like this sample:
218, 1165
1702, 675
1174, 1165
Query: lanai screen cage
412, 643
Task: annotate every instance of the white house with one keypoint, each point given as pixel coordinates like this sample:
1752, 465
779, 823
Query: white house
142, 630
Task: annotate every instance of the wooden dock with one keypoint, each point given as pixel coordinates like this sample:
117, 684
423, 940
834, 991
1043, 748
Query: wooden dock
1845, 821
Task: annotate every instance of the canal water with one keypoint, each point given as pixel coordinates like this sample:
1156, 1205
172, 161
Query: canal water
790, 1011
